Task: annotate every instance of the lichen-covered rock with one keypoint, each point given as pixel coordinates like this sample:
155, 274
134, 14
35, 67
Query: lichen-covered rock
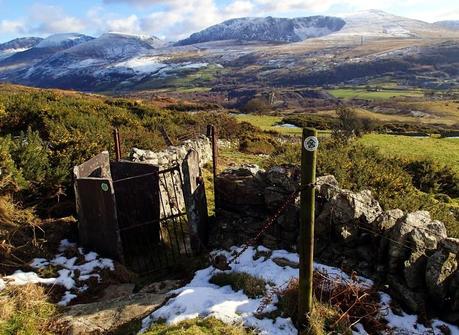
327, 186
285, 177
440, 270
388, 219
349, 206
402, 239
238, 188
414, 270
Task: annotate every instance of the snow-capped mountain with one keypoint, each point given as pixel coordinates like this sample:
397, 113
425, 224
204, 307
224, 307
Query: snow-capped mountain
268, 29
113, 46
449, 24
108, 49
379, 24
17, 45
43, 49
94, 62
63, 41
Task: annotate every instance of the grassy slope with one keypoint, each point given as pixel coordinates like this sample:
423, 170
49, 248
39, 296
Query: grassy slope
443, 151
362, 93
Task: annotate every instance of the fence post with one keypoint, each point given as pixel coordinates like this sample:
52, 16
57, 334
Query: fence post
212, 134
306, 241
116, 136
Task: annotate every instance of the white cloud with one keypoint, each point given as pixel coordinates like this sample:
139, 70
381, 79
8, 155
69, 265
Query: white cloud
10, 26
46, 19
128, 24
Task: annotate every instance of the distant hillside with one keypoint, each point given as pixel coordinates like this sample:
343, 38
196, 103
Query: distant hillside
17, 45
43, 49
268, 29
452, 24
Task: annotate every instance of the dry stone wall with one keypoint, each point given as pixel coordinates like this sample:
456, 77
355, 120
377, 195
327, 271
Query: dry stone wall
408, 252
170, 184
174, 154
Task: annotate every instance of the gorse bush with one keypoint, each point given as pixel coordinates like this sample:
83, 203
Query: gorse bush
431, 177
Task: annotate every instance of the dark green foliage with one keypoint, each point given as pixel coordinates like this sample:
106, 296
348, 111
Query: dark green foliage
251, 286
11, 179
432, 178
31, 156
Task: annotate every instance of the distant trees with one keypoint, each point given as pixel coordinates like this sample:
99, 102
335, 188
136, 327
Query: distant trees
256, 106
350, 125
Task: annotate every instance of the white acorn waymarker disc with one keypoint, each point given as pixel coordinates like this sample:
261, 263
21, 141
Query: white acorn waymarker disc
311, 143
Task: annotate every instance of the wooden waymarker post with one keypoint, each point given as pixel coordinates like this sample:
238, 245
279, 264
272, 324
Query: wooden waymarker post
309, 147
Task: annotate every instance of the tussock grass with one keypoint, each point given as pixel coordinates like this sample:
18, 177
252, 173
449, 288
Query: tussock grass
25, 310
252, 286
207, 326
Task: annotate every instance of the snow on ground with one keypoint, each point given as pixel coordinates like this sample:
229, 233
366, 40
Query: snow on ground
73, 272
202, 299
143, 64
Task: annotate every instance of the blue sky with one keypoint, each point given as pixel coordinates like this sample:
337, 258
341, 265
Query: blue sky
174, 19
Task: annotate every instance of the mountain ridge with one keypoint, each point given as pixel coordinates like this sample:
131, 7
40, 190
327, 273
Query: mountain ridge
268, 29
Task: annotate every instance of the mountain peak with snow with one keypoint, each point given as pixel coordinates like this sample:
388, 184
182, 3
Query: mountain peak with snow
63, 40
267, 29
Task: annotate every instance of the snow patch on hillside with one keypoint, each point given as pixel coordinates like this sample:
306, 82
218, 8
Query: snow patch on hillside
155, 65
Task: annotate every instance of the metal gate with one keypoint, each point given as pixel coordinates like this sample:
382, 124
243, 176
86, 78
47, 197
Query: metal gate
135, 213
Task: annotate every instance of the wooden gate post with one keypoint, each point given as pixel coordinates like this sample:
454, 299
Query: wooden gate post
116, 137
195, 200
212, 135
309, 147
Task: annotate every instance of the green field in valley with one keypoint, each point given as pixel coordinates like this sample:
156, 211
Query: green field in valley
444, 151
362, 93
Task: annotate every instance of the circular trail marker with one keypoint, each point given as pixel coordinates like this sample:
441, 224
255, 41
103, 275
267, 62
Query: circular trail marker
311, 143
104, 187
